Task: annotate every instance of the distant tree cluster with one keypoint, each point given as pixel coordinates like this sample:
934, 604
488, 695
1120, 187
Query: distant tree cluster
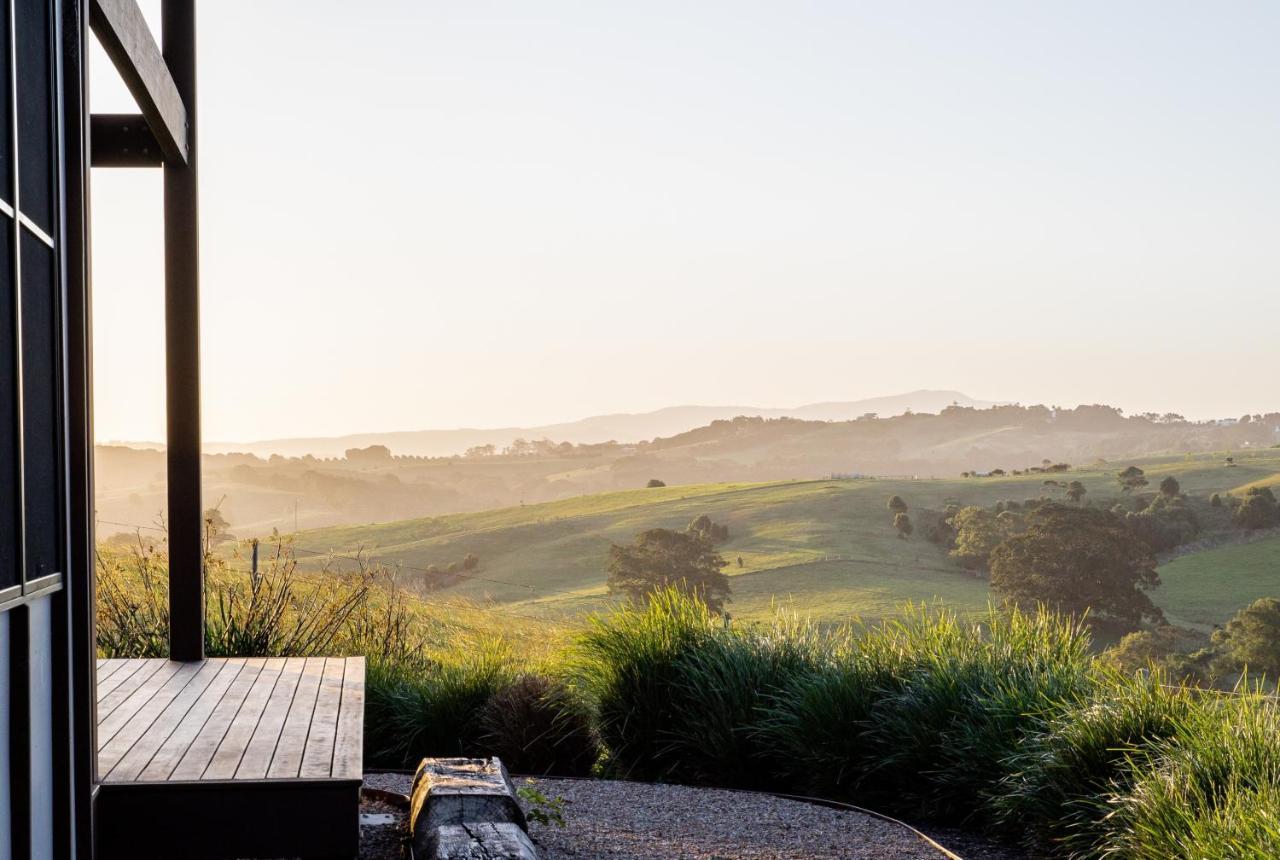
1252, 638
901, 520
372, 455
435, 577
1132, 478
1076, 492
1258, 510
1076, 560
712, 532
1249, 644
662, 558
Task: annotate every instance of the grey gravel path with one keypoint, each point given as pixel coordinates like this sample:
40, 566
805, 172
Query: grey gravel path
639, 821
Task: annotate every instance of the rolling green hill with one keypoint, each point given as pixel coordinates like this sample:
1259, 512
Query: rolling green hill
1205, 588
825, 548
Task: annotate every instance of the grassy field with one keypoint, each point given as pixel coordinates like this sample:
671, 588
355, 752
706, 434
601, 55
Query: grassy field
824, 548
1205, 588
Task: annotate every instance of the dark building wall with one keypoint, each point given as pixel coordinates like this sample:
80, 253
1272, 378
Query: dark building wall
35, 695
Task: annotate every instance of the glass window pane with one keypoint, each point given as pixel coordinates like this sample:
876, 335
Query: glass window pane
41, 401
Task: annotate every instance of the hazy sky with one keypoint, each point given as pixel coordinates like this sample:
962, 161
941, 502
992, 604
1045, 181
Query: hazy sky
435, 214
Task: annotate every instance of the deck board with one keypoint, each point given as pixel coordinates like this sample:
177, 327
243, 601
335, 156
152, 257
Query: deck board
348, 746
130, 679
166, 721
180, 736
195, 759
259, 719
244, 723
287, 758
262, 746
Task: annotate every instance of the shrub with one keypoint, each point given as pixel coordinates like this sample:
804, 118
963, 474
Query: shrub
628, 664
1244, 823
818, 723
263, 613
429, 707
941, 739
538, 727
1212, 789
1251, 639
1259, 510
721, 686
1057, 792
132, 601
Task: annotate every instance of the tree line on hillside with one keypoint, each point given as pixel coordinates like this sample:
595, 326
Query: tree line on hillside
1071, 555
1077, 557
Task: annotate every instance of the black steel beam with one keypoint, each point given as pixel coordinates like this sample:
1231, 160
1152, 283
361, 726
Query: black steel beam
123, 140
182, 350
127, 39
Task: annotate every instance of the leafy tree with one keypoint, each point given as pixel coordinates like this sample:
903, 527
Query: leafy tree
1165, 523
216, 528
470, 561
902, 523
1074, 560
1215, 501
1170, 487
897, 505
1143, 649
654, 482
713, 533
978, 532
1132, 479
661, 558
1258, 510
1076, 492
1231, 461
1164, 647
1252, 637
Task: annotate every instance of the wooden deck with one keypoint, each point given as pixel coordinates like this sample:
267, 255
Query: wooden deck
278, 739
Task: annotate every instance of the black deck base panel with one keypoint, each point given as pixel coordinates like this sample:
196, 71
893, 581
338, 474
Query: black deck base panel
235, 819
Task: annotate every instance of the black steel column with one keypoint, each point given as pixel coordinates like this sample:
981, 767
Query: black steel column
182, 349
78, 588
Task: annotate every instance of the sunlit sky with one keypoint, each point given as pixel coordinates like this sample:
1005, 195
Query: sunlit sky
440, 214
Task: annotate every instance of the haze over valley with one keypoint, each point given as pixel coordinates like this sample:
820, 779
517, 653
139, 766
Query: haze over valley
380, 477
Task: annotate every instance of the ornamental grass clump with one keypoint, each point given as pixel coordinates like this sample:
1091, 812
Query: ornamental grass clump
429, 706
538, 726
1211, 790
818, 722
719, 696
629, 664
1057, 797
938, 742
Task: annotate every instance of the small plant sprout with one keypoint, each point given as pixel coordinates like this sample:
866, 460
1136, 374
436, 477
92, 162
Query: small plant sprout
547, 811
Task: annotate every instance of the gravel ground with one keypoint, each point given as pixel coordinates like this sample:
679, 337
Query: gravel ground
381, 839
637, 821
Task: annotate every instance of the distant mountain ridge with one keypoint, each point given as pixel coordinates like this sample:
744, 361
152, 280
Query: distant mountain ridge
622, 427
